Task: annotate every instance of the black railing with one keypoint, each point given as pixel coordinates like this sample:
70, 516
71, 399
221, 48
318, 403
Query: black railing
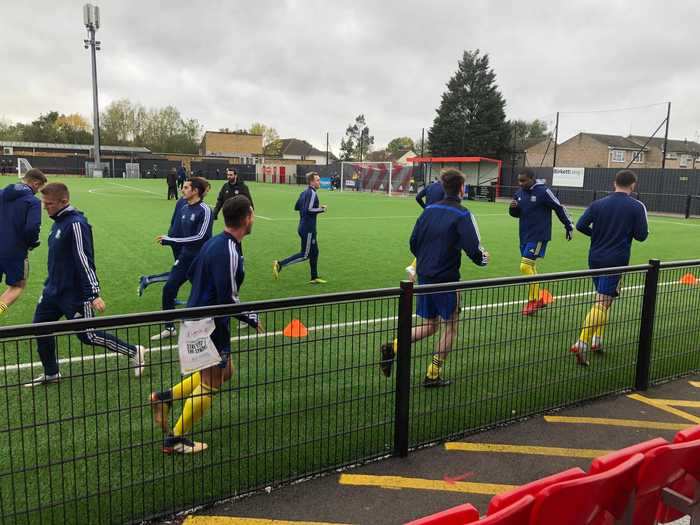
302, 403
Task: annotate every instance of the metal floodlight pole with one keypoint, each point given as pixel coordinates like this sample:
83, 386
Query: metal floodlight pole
663, 153
556, 138
91, 19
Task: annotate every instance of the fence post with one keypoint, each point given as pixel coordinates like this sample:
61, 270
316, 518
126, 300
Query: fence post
646, 330
688, 199
403, 370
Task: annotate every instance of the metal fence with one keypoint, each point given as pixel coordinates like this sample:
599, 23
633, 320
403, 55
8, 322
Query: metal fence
87, 450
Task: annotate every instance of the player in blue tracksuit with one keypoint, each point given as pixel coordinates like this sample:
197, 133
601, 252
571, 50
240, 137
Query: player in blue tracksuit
217, 275
20, 222
440, 235
191, 228
533, 204
72, 289
308, 207
612, 223
430, 194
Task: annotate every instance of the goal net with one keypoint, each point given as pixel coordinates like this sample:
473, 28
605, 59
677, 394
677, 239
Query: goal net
132, 170
380, 177
23, 167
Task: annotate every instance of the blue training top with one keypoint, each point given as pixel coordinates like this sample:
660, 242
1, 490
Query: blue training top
308, 207
71, 258
441, 233
611, 223
20, 220
534, 210
190, 228
430, 194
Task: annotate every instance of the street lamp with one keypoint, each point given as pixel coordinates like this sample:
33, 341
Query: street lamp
91, 19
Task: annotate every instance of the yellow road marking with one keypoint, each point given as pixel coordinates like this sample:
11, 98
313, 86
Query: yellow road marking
696, 384
228, 520
678, 402
526, 449
397, 482
659, 403
634, 423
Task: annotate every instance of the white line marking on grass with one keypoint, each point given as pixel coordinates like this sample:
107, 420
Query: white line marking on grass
331, 326
263, 217
134, 188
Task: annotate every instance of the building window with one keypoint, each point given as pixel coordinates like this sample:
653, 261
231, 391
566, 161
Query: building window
684, 161
639, 159
617, 155
671, 155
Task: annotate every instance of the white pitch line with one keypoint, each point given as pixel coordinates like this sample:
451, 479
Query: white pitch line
134, 188
331, 326
263, 217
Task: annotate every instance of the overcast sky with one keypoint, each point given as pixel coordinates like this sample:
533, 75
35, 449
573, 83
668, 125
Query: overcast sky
307, 67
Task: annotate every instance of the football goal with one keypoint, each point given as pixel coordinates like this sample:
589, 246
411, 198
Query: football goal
23, 167
381, 177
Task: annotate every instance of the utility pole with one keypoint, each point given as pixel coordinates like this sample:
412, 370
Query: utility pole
91, 19
556, 138
422, 154
663, 153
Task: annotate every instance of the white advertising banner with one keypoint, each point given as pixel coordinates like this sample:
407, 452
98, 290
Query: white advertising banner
572, 177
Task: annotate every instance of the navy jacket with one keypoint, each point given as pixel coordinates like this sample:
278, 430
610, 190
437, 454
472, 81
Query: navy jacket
611, 223
20, 220
217, 275
229, 191
308, 207
430, 194
441, 233
190, 228
534, 209
71, 259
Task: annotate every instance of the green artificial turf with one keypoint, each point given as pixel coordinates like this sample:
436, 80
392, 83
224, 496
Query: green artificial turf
86, 450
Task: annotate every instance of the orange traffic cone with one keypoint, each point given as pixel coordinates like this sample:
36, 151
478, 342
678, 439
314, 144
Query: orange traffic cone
295, 329
688, 278
546, 296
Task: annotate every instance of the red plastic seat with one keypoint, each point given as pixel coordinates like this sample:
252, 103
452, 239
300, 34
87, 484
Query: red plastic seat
459, 515
516, 514
688, 486
662, 468
603, 463
587, 500
506, 499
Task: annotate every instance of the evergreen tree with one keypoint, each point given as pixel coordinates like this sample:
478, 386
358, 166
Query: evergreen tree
471, 118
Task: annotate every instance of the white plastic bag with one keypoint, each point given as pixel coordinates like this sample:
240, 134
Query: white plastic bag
196, 349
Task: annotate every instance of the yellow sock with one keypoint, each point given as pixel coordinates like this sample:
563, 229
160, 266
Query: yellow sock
196, 405
396, 345
527, 267
600, 330
413, 264
595, 320
434, 367
3, 308
185, 387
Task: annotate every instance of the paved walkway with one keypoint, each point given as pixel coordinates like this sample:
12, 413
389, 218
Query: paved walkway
396, 490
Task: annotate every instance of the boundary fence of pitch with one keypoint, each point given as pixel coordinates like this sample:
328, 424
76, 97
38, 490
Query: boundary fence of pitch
86, 449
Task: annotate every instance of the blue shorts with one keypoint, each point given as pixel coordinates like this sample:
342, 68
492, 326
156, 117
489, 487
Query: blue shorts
221, 339
432, 305
533, 250
608, 284
15, 270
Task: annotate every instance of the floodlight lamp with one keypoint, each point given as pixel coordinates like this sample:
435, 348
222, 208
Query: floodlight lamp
91, 17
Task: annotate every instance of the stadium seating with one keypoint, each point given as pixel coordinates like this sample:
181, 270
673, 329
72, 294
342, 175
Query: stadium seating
648, 483
505, 499
454, 516
590, 499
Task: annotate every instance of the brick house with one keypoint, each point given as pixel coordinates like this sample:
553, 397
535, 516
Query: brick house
398, 157
231, 144
594, 150
296, 149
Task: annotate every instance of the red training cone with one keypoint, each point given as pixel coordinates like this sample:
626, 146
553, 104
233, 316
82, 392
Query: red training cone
295, 329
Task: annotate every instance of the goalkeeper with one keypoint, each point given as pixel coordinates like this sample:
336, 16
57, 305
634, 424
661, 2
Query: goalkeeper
532, 204
611, 223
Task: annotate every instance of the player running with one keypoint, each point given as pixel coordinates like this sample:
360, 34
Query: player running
217, 275
611, 223
308, 207
190, 229
441, 233
20, 222
72, 288
430, 194
532, 204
